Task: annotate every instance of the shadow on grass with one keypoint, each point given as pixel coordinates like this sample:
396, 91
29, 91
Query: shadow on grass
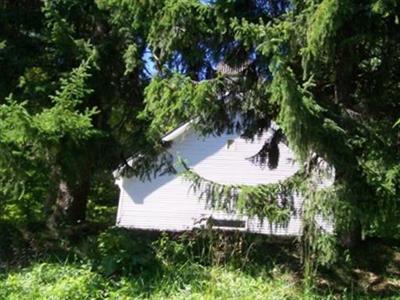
372, 269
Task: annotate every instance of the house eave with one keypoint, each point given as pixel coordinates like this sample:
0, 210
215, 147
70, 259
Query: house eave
176, 132
169, 137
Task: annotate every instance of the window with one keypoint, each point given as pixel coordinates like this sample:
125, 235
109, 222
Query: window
227, 223
211, 222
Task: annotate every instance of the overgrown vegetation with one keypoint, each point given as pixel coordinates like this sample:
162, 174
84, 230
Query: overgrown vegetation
58, 281
121, 264
87, 84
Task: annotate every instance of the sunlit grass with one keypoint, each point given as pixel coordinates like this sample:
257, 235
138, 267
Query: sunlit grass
190, 281
118, 264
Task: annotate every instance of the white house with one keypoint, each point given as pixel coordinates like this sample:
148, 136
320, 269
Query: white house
167, 202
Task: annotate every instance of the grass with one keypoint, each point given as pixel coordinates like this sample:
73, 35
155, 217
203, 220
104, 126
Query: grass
120, 264
186, 281
190, 281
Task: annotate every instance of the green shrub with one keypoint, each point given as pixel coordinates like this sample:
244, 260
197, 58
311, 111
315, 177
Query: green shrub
210, 247
121, 251
52, 281
13, 246
171, 251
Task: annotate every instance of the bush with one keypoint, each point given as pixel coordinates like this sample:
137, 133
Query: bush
52, 281
171, 251
14, 248
211, 247
120, 251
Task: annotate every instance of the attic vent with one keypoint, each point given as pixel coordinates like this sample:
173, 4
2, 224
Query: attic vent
227, 223
209, 221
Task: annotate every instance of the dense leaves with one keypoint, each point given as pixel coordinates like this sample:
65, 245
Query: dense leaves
86, 84
272, 202
327, 72
72, 85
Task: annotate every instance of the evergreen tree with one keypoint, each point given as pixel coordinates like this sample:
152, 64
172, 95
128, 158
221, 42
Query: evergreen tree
327, 71
76, 53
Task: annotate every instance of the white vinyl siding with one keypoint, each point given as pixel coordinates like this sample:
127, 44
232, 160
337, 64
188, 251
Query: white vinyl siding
167, 202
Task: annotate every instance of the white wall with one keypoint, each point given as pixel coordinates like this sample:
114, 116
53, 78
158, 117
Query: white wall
168, 203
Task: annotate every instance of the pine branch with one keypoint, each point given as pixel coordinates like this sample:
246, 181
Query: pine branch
273, 202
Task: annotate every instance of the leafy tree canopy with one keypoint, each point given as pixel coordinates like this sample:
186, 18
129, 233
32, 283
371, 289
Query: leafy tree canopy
71, 88
327, 71
83, 96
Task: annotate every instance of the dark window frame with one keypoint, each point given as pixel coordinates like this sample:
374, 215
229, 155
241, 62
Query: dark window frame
226, 223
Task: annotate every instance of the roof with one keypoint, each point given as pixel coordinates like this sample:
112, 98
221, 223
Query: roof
172, 135
169, 137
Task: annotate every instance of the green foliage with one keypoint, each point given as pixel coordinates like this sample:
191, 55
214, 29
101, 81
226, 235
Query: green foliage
179, 24
30, 143
324, 21
326, 71
47, 281
102, 199
187, 280
64, 119
171, 252
194, 265
176, 99
12, 245
120, 251
205, 247
55, 281
75, 128
273, 202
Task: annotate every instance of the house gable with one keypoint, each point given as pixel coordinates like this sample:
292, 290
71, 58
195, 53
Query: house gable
167, 202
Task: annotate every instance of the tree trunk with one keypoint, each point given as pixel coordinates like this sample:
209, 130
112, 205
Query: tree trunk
344, 87
351, 238
71, 200
344, 70
49, 203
